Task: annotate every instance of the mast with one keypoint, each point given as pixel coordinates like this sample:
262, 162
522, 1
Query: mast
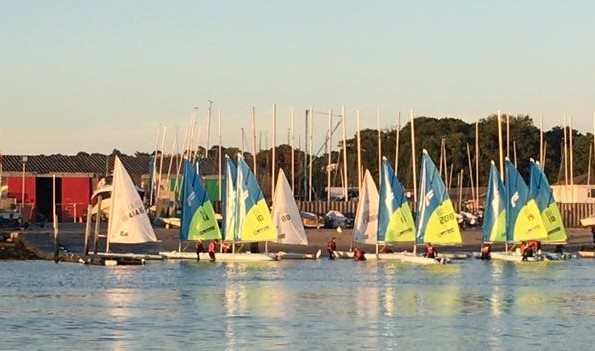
379, 143
253, 120
328, 147
471, 172
508, 135
273, 168
310, 155
219, 155
413, 163
55, 219
359, 155
209, 113
476, 205
571, 157
500, 150
345, 191
565, 154
398, 133
541, 140
160, 165
292, 140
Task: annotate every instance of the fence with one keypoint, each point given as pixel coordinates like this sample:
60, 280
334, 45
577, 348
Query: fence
571, 213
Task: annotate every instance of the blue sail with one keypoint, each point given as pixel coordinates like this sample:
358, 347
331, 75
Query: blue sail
494, 214
255, 222
541, 192
523, 219
230, 201
395, 221
198, 217
436, 220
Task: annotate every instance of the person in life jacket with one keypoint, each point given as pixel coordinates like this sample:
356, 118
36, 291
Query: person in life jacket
485, 252
199, 248
359, 254
212, 249
526, 250
331, 247
535, 245
430, 251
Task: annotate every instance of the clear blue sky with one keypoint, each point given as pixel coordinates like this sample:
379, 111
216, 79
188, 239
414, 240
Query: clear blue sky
94, 76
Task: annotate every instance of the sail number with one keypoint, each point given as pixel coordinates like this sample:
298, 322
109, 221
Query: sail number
286, 218
447, 218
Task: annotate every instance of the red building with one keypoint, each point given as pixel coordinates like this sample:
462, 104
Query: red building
75, 180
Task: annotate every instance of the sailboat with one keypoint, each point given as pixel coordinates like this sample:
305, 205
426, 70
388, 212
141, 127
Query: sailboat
436, 222
235, 215
523, 218
541, 192
198, 221
287, 220
365, 225
128, 219
494, 215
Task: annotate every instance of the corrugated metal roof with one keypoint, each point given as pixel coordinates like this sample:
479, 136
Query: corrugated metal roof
93, 163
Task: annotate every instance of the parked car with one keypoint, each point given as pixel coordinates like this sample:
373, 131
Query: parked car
311, 220
335, 219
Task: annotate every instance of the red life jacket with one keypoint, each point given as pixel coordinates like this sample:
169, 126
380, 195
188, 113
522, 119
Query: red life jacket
212, 246
430, 251
331, 246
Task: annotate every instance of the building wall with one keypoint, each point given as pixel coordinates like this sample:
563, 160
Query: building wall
76, 192
15, 185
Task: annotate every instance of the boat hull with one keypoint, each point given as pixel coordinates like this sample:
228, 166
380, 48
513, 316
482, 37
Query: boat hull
513, 257
220, 257
281, 255
403, 257
586, 254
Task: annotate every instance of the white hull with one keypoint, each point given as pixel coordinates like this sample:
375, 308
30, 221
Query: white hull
132, 255
281, 255
220, 257
586, 254
403, 257
512, 257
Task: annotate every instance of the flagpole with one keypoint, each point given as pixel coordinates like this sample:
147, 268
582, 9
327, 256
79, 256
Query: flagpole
219, 156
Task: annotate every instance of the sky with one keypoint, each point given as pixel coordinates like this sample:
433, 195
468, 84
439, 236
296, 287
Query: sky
97, 76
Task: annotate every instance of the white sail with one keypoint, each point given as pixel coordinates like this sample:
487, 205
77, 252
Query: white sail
286, 215
365, 226
128, 219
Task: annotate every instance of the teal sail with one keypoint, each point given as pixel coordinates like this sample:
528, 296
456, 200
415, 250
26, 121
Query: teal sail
541, 192
395, 221
523, 219
494, 214
255, 222
198, 216
230, 201
436, 220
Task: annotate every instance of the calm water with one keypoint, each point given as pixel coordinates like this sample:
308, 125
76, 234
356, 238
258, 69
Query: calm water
298, 305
